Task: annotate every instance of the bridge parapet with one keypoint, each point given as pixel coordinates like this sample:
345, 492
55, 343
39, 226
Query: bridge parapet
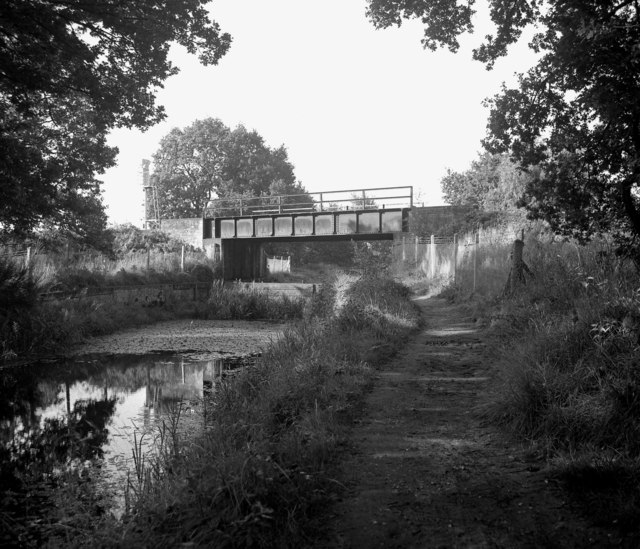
379, 198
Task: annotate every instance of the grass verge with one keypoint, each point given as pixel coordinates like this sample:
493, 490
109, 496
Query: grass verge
568, 376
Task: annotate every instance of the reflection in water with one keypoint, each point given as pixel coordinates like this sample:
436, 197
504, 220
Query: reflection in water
93, 415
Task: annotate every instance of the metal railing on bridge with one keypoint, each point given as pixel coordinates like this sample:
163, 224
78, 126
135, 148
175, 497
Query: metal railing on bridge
327, 201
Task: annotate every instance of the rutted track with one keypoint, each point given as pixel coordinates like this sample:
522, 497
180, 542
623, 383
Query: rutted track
424, 470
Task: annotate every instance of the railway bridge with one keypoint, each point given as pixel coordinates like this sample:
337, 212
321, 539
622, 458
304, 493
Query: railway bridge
237, 228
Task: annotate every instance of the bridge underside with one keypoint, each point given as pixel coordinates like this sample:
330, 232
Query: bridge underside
242, 258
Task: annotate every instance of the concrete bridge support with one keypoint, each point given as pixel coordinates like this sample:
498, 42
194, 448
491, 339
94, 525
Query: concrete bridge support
242, 259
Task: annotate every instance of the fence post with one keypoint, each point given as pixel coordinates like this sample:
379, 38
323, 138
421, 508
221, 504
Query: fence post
455, 258
415, 251
432, 259
476, 241
182, 259
404, 250
516, 277
148, 257
28, 258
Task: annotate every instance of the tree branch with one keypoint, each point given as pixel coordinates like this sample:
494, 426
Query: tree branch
628, 182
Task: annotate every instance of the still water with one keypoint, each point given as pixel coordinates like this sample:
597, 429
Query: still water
99, 413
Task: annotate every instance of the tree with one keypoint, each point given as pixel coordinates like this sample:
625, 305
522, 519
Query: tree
70, 72
574, 119
493, 183
207, 159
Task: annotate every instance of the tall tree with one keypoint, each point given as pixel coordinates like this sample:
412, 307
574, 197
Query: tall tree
208, 159
70, 72
574, 118
492, 183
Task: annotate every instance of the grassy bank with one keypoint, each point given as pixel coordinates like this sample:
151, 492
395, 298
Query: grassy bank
30, 327
259, 475
569, 366
256, 472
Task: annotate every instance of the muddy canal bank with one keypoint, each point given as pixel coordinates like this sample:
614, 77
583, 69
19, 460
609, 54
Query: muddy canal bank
192, 339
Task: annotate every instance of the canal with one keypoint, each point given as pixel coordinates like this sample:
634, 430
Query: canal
101, 419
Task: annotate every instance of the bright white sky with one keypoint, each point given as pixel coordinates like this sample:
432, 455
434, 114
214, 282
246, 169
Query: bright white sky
354, 106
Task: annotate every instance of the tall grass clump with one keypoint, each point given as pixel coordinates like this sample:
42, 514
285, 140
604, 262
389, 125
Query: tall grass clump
569, 369
259, 473
231, 302
19, 289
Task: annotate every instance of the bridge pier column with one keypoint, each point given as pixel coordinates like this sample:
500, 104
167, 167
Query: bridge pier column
242, 259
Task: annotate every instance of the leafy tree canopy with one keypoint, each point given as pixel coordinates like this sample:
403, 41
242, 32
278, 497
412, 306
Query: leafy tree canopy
574, 118
494, 182
208, 159
70, 72
128, 239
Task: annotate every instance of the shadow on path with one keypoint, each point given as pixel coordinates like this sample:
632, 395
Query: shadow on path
424, 470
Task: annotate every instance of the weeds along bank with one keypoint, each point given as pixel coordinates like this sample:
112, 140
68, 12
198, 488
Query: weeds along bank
31, 327
259, 474
256, 470
569, 368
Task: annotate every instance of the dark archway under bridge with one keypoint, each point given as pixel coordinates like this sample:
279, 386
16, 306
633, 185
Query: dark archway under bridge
243, 258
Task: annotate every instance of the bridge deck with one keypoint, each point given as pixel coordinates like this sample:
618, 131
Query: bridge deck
310, 224
382, 210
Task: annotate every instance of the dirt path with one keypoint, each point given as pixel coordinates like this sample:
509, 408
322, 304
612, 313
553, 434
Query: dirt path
425, 472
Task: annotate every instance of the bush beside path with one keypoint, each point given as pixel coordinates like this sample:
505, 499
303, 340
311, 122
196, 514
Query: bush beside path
425, 470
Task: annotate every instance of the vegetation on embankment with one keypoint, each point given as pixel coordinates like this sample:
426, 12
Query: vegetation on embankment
30, 327
258, 476
258, 472
569, 366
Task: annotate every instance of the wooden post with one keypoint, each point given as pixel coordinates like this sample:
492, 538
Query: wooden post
28, 258
476, 241
432, 259
516, 277
182, 259
148, 257
404, 249
67, 393
455, 258
415, 251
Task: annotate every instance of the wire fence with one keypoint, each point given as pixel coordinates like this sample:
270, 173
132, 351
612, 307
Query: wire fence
151, 258
478, 261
